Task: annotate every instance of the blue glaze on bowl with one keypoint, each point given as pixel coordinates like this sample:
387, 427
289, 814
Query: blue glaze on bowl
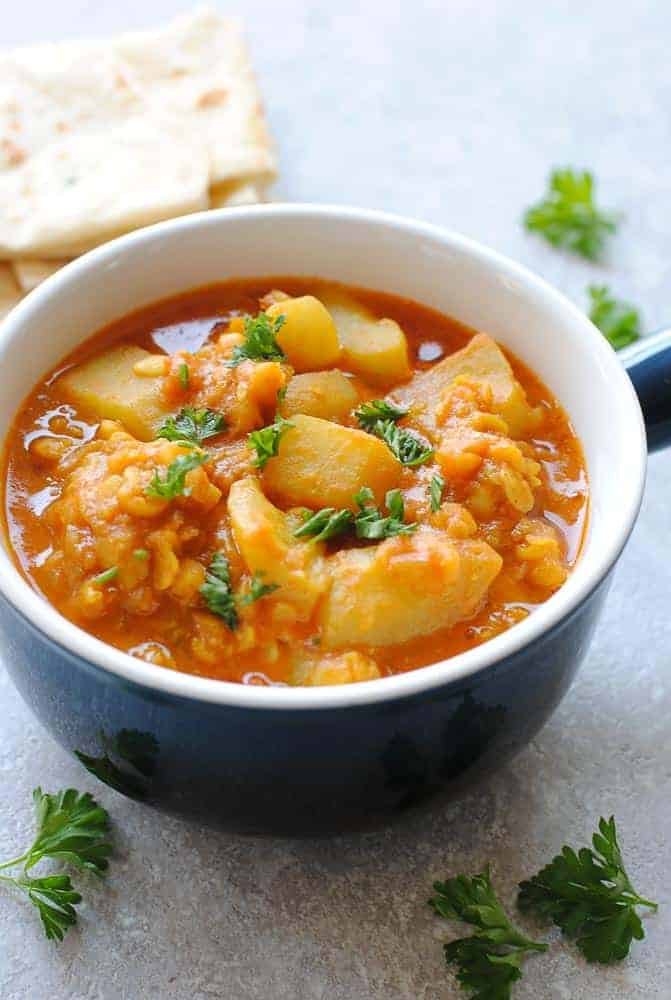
293, 771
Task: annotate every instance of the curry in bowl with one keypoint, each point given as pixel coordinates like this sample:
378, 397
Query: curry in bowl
291, 482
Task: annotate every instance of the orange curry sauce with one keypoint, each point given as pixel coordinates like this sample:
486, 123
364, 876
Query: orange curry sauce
163, 634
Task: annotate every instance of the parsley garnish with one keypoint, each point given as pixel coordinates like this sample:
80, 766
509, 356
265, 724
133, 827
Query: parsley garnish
588, 895
369, 523
266, 442
377, 409
489, 961
619, 321
183, 372
71, 829
106, 576
192, 425
567, 216
217, 590
175, 476
436, 488
260, 342
379, 417
408, 447
141, 554
325, 524
257, 590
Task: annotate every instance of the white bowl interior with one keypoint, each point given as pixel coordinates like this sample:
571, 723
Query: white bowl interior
439, 269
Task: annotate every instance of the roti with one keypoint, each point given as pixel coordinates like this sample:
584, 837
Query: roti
99, 138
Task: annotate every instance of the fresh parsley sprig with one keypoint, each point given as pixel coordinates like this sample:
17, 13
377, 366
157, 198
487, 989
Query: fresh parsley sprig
193, 426
266, 442
619, 321
489, 961
217, 591
588, 894
260, 343
71, 829
174, 484
380, 418
568, 217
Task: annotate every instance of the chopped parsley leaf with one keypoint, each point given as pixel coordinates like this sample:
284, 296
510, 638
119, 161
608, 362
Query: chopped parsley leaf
379, 417
266, 442
192, 425
175, 476
436, 488
217, 591
183, 372
260, 344
325, 524
257, 590
371, 524
369, 413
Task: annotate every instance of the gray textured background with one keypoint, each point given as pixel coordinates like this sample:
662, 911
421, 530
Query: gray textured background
452, 112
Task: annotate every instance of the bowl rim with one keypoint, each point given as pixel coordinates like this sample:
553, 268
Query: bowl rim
591, 569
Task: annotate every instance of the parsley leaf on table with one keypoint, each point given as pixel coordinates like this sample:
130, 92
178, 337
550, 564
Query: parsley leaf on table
567, 216
589, 896
174, 484
266, 442
55, 899
379, 417
192, 425
260, 343
488, 962
72, 829
619, 322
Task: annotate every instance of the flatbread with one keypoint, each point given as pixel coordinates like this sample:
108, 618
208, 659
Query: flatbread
32, 272
98, 138
77, 193
239, 193
197, 68
10, 293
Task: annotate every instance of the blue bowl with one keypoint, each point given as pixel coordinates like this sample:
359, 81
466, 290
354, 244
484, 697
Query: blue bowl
305, 761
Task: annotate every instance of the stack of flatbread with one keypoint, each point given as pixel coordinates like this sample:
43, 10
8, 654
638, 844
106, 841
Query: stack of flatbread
99, 138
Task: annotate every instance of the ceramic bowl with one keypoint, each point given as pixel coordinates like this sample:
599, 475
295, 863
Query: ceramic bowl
319, 760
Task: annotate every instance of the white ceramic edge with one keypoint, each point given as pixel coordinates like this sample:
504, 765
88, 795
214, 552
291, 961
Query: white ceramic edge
589, 572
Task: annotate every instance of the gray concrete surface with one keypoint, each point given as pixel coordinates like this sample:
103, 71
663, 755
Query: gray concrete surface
453, 112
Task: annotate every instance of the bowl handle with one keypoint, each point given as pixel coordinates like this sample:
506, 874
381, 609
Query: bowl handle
648, 363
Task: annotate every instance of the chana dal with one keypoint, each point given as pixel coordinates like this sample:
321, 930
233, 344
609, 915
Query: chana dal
292, 482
